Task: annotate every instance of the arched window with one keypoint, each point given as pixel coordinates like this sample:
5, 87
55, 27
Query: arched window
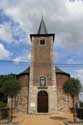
42, 81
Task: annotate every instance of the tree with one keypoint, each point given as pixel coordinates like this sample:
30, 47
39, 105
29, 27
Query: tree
3, 96
72, 87
10, 87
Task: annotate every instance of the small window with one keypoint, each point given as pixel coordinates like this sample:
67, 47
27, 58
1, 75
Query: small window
42, 42
42, 81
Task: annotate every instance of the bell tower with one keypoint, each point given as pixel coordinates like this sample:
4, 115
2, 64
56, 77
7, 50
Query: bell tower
42, 85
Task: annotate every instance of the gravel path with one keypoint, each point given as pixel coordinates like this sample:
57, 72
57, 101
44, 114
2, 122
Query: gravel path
26, 119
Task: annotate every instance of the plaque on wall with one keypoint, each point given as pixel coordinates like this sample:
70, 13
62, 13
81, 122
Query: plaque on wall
32, 104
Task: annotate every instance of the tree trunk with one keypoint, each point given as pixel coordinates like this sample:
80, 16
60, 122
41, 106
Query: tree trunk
11, 109
74, 113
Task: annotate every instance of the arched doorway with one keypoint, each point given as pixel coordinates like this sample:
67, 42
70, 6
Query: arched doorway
42, 105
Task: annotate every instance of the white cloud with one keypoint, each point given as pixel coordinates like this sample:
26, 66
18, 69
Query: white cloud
13, 34
4, 53
75, 7
15, 11
79, 75
64, 18
5, 32
19, 14
25, 57
29, 56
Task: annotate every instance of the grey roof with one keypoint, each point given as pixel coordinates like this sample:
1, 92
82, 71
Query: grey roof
57, 70
42, 31
42, 28
26, 71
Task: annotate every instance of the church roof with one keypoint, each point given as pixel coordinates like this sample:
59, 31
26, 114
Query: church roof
42, 28
42, 31
57, 70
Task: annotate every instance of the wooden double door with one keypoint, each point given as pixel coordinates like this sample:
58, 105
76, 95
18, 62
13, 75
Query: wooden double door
42, 102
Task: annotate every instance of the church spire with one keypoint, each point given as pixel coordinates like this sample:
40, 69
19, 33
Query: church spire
42, 28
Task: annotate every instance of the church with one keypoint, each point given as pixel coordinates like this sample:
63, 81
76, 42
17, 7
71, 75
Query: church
42, 82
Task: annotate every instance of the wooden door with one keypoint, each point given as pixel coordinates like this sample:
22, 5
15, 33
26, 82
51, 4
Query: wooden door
43, 102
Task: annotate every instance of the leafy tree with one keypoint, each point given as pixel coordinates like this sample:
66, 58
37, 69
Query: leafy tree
10, 87
3, 96
81, 104
72, 87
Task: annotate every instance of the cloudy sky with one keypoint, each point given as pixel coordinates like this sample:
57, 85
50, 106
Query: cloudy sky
20, 18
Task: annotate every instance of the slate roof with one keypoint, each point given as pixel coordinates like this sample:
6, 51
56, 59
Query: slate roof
58, 71
42, 28
42, 31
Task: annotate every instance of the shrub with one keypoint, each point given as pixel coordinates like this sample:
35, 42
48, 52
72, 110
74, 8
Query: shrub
80, 113
3, 105
81, 104
4, 110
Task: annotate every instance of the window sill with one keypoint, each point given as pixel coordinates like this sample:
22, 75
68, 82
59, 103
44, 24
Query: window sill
42, 87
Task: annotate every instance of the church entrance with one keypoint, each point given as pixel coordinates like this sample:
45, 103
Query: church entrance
42, 104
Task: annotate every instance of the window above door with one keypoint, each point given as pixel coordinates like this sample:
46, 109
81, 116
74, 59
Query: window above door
42, 81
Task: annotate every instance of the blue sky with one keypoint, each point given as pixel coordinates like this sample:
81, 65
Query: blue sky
18, 19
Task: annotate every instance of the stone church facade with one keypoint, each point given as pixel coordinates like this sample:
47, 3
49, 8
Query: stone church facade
42, 82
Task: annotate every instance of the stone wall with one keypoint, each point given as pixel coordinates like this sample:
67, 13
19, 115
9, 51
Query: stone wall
64, 101
22, 98
52, 107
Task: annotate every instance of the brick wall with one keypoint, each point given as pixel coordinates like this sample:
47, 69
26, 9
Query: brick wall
42, 60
